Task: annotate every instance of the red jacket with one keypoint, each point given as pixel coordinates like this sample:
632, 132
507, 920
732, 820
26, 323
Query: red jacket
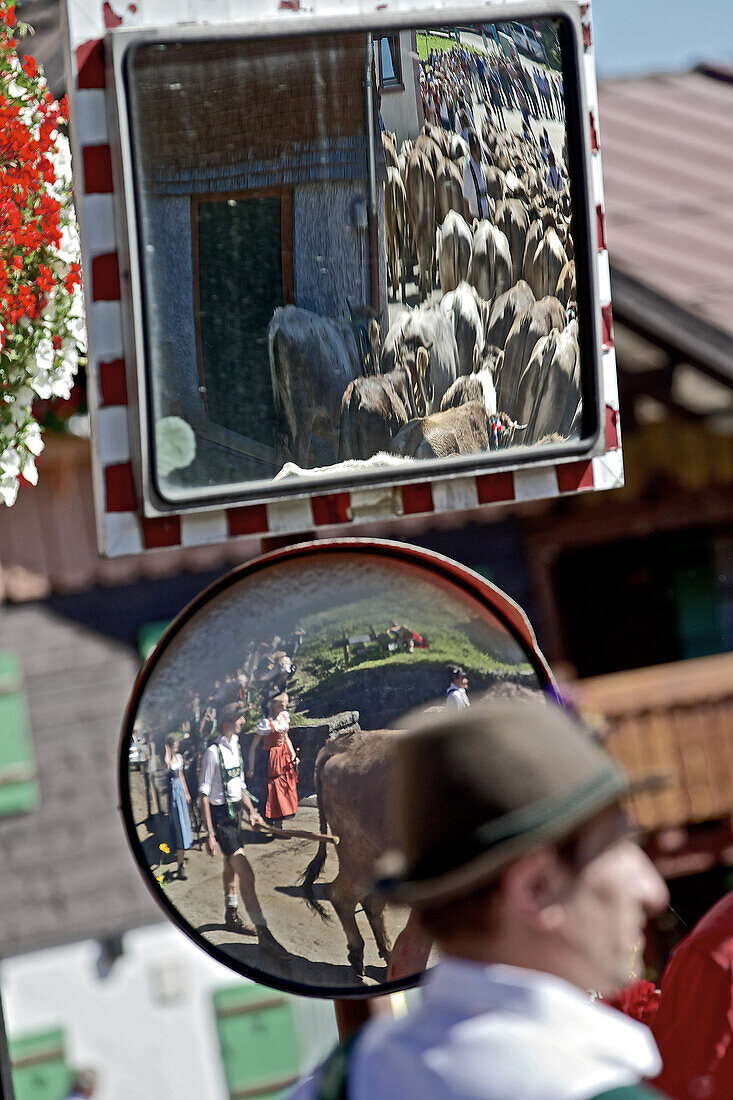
693, 1026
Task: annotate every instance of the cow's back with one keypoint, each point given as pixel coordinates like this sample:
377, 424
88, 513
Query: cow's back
548, 261
456, 245
420, 191
448, 189
472, 387
535, 233
530, 326
467, 312
566, 291
433, 329
512, 218
491, 262
395, 201
312, 358
504, 311
550, 387
371, 413
459, 431
355, 795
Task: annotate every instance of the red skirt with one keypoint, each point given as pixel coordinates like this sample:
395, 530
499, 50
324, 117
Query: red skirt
282, 784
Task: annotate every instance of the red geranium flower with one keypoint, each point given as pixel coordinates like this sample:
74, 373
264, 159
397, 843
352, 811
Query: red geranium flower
39, 316
640, 1000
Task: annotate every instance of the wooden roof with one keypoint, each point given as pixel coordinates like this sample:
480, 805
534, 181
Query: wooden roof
667, 147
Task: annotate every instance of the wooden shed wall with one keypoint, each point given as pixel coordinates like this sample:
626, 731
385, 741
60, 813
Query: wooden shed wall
269, 100
48, 539
674, 720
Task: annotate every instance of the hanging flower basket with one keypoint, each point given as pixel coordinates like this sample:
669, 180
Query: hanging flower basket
42, 333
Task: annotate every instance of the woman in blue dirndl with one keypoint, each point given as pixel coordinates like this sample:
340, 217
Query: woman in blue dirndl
179, 800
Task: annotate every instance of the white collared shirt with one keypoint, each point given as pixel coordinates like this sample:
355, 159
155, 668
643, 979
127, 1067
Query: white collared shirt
498, 1033
281, 724
210, 774
457, 697
474, 188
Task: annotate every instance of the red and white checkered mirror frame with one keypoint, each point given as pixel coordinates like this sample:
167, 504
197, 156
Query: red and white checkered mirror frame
122, 529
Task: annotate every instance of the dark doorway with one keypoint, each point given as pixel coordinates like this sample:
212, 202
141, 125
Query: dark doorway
238, 248
640, 602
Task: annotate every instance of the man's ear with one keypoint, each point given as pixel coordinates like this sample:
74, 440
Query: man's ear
534, 888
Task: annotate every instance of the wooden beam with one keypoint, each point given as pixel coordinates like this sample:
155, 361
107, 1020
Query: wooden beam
561, 528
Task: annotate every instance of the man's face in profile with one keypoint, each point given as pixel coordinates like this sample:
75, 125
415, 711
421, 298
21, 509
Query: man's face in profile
612, 889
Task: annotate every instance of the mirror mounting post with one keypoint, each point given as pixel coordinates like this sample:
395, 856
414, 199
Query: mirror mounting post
373, 215
6, 1075
351, 1015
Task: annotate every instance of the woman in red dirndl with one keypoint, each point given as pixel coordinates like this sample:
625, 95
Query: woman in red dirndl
282, 774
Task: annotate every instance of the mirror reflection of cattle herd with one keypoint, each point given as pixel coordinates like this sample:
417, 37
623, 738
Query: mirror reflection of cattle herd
259, 756
384, 275
481, 350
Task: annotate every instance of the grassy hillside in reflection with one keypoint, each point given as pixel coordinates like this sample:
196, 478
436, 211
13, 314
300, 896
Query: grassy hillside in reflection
375, 679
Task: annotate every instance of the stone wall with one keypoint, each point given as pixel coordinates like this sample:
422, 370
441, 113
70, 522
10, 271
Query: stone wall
382, 695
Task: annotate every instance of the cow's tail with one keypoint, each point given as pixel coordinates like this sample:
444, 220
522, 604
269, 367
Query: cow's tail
315, 867
272, 331
346, 442
348, 437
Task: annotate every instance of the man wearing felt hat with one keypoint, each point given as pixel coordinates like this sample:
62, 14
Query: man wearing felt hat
224, 797
457, 694
514, 852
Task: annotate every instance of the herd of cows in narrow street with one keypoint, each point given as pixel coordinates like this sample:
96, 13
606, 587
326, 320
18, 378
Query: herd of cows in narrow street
487, 354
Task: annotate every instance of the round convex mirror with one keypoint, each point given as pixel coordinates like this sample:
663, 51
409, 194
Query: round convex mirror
296, 671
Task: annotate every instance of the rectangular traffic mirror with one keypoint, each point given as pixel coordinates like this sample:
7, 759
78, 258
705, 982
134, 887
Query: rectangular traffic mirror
366, 253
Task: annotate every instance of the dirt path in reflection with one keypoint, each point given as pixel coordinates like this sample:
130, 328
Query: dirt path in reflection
317, 949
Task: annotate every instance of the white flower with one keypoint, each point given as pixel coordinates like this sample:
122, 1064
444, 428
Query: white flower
78, 331
78, 425
8, 489
44, 354
30, 473
61, 386
43, 384
69, 356
36, 367
33, 440
20, 408
10, 462
68, 248
48, 313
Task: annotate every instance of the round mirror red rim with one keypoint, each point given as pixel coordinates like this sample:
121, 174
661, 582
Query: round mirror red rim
464, 579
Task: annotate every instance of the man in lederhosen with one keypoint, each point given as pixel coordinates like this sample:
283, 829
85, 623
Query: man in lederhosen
224, 796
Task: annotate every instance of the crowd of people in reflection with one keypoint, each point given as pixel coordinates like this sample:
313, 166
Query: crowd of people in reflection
258, 685
225, 768
452, 80
198, 783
